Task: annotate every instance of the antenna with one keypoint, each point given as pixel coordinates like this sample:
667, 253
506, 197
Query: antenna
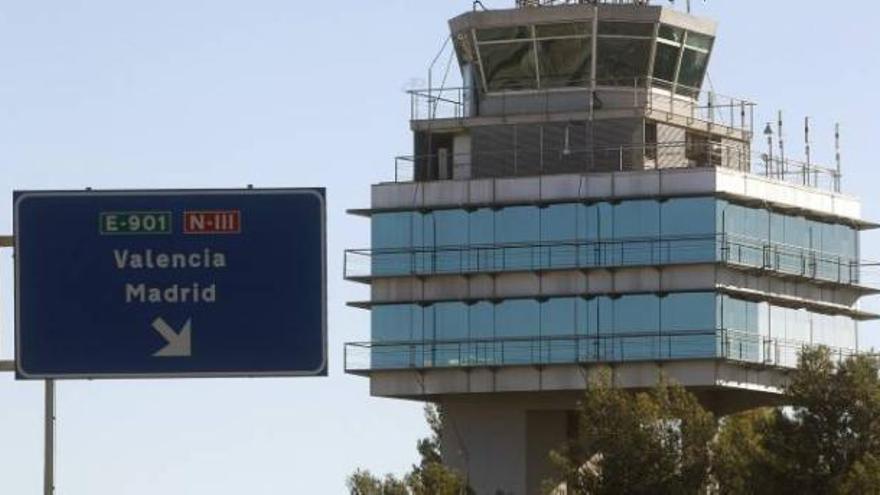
782, 164
837, 176
768, 131
807, 151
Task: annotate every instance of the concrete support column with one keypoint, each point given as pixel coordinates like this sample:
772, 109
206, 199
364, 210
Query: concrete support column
502, 448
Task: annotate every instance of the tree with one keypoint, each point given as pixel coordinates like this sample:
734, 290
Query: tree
740, 459
828, 441
364, 483
429, 477
655, 442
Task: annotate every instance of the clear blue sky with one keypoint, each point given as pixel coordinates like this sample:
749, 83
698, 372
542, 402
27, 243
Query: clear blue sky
223, 93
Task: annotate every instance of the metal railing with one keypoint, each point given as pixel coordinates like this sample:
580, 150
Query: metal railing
690, 103
730, 345
740, 251
525, 162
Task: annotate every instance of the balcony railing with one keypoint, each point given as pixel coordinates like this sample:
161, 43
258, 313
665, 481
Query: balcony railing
523, 162
692, 104
729, 345
738, 251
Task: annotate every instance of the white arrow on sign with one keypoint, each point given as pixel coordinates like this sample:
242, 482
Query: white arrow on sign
179, 344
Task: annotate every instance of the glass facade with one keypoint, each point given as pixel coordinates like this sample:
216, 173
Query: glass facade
564, 55
626, 233
635, 327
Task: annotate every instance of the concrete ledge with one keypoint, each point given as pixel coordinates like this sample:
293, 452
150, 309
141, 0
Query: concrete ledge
758, 384
660, 183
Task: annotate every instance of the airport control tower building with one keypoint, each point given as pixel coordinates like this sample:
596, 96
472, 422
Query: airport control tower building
584, 200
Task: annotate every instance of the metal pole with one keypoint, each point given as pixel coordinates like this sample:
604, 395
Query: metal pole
839, 171
783, 165
49, 460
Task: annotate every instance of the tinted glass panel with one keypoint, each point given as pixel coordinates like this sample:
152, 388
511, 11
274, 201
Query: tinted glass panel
509, 66
638, 314
693, 68
504, 33
565, 62
622, 61
392, 230
671, 33
626, 29
666, 62
559, 236
698, 40
567, 29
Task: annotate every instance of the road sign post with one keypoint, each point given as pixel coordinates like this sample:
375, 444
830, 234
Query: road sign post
155, 284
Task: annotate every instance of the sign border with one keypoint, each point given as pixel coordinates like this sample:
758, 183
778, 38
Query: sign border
320, 193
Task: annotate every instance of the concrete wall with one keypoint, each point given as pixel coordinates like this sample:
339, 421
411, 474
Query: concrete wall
615, 185
563, 380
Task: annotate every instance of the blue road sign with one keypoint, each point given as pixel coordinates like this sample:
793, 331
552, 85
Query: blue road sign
153, 284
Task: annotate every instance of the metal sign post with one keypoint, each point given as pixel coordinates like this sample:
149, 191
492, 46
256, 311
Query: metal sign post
49, 439
49, 413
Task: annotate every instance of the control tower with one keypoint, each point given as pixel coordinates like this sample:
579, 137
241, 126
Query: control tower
585, 201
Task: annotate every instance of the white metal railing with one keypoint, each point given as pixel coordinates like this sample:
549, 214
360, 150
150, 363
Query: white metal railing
722, 344
519, 161
692, 104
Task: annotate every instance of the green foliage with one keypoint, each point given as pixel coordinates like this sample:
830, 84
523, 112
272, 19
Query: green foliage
364, 483
646, 443
739, 458
429, 477
828, 441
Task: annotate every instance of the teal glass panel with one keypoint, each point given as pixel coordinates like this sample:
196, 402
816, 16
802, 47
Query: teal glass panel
688, 313
558, 328
559, 236
741, 321
688, 225
451, 332
635, 318
394, 324
392, 232
517, 225
595, 223
607, 346
450, 236
589, 346
482, 328
745, 234
517, 327
637, 227
790, 256
481, 232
